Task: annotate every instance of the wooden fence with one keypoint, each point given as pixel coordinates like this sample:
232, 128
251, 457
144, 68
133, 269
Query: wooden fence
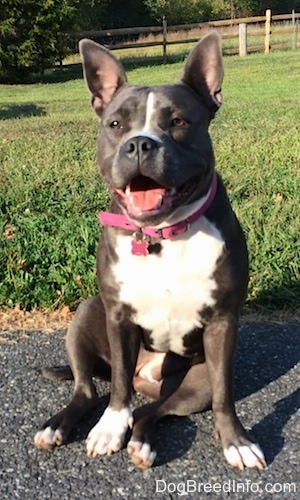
240, 36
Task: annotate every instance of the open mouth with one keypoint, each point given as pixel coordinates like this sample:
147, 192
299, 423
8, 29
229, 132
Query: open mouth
145, 197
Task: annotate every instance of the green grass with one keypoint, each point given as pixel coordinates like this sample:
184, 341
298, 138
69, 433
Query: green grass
50, 192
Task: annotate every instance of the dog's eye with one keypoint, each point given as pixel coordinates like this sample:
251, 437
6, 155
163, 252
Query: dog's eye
178, 122
115, 124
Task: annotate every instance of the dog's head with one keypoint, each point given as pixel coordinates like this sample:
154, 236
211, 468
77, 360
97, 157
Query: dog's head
154, 149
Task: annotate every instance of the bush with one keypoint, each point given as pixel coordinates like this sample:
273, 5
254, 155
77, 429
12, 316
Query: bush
32, 36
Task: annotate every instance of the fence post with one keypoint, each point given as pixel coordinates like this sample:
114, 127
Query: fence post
267, 31
243, 39
294, 35
165, 31
296, 32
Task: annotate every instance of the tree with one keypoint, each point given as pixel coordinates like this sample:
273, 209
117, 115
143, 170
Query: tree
179, 12
279, 6
31, 36
33, 32
193, 11
120, 14
92, 14
258, 7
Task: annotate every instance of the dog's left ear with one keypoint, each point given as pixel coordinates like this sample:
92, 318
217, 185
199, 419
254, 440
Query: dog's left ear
204, 70
103, 73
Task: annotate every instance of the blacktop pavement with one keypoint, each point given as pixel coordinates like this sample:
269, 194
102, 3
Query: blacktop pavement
190, 464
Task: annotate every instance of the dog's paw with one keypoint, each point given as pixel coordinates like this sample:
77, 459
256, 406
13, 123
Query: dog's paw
48, 438
141, 454
249, 455
108, 434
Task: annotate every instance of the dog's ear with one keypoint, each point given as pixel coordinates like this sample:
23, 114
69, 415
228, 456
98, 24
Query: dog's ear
204, 70
103, 73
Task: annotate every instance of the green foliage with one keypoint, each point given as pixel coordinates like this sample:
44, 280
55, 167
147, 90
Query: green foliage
277, 6
33, 33
32, 36
49, 198
183, 11
193, 11
119, 14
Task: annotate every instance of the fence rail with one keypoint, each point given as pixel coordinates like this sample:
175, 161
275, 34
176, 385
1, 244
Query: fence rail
240, 31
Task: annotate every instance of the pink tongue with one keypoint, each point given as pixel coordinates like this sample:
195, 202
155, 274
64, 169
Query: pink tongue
147, 200
146, 194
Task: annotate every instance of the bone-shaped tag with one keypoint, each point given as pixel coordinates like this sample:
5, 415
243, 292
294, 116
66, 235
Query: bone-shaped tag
139, 247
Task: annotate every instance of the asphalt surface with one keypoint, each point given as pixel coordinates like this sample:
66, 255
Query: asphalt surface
189, 459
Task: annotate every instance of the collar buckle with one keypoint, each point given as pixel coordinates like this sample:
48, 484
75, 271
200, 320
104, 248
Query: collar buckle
175, 230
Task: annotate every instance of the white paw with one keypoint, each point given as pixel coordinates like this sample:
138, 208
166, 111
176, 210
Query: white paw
47, 438
245, 456
107, 436
141, 454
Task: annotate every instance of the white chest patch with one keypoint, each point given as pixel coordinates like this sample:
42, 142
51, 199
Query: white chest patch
167, 290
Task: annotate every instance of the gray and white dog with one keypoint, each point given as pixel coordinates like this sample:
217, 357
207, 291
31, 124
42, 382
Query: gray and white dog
172, 266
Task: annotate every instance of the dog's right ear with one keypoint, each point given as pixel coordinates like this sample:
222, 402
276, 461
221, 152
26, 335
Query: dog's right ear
103, 73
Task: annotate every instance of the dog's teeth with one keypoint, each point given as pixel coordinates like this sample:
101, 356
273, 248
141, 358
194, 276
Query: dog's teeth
173, 191
127, 191
159, 202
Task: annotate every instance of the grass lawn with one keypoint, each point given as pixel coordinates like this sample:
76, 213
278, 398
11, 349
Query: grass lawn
50, 192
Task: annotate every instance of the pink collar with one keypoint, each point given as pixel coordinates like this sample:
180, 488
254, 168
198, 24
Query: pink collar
140, 234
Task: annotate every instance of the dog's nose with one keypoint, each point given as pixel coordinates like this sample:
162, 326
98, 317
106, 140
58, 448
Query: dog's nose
140, 147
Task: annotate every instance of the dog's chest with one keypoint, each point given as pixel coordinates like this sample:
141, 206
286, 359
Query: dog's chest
167, 291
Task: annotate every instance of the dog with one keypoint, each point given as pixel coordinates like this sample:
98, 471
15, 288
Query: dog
172, 266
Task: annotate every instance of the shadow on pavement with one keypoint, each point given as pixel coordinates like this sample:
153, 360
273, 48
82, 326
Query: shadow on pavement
266, 352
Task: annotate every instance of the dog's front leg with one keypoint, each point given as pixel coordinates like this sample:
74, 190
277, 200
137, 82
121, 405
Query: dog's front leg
107, 436
219, 344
